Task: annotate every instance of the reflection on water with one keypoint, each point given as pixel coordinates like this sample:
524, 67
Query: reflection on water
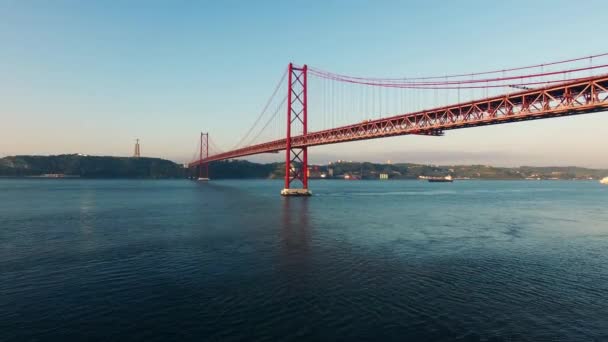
87, 205
295, 228
233, 260
295, 247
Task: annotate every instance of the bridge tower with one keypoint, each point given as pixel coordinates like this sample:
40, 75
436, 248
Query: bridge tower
203, 168
296, 158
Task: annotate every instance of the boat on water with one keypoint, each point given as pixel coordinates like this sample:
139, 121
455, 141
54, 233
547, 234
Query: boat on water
446, 179
202, 179
604, 181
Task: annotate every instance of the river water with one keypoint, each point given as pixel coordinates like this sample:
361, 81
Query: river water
107, 260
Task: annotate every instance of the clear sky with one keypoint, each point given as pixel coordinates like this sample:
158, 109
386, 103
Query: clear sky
91, 76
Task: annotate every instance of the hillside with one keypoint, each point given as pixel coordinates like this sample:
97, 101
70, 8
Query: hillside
155, 168
90, 167
245, 169
413, 171
242, 169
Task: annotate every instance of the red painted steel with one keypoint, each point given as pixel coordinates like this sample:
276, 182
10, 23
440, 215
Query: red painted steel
205, 164
296, 159
305, 127
207, 154
569, 98
288, 136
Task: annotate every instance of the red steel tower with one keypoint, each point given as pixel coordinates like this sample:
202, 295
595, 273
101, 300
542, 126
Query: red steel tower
203, 168
296, 159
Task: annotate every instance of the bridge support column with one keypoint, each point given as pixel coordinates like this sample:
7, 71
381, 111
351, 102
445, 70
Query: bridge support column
296, 157
203, 168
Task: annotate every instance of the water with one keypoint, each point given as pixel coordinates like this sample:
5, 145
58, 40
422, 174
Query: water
232, 260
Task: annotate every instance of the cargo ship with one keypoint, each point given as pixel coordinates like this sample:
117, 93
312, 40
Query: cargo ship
446, 179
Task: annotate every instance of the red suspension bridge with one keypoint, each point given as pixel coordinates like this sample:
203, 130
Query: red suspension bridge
347, 108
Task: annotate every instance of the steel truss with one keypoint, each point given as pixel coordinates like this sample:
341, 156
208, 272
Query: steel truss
569, 98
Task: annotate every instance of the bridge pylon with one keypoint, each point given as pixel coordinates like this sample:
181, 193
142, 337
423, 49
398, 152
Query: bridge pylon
203, 168
296, 158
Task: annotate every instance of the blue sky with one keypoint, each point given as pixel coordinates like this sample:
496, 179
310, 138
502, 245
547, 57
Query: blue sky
92, 76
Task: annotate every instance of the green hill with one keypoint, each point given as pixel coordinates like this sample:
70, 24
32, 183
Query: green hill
412, 171
121, 167
90, 167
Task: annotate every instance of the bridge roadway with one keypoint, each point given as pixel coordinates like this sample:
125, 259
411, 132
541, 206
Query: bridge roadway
586, 95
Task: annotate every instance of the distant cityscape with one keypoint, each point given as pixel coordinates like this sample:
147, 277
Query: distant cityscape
349, 170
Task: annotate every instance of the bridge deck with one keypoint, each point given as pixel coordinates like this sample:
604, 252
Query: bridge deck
577, 97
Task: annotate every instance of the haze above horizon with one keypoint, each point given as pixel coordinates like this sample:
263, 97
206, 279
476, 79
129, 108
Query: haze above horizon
91, 77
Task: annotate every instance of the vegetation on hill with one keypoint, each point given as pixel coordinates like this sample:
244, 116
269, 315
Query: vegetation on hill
90, 167
121, 167
366, 170
233, 169
412, 171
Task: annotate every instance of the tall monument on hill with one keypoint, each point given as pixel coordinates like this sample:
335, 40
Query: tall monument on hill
137, 153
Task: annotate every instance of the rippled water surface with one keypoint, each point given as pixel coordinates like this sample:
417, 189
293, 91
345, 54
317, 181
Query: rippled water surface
232, 260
